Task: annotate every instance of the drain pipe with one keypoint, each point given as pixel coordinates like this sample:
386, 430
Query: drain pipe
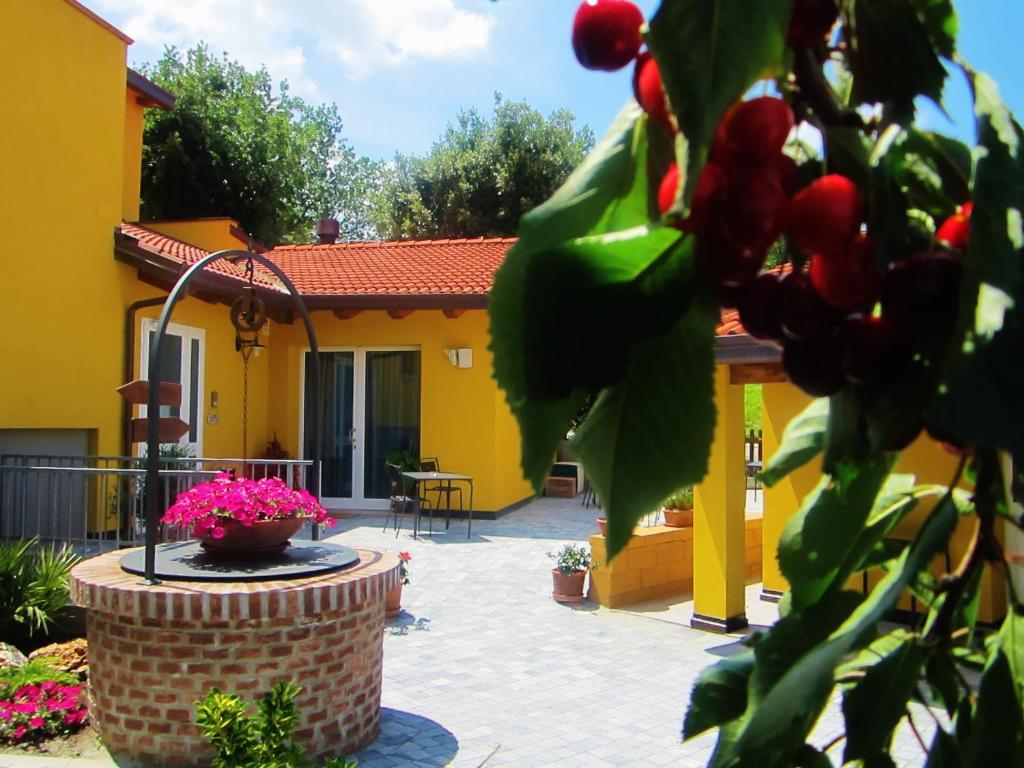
129, 366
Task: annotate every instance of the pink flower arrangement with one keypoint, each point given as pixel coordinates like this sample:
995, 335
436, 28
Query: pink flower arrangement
403, 568
41, 711
206, 507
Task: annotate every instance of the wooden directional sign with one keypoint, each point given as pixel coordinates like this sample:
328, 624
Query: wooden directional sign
170, 430
137, 392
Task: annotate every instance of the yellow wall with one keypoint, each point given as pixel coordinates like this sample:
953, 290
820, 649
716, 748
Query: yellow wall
210, 234
62, 143
924, 459
463, 421
719, 570
781, 403
132, 181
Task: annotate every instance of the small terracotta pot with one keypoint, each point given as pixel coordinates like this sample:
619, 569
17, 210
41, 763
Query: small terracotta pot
678, 518
568, 588
393, 602
602, 525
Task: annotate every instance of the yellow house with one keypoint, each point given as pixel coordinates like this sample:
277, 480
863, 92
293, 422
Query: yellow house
402, 327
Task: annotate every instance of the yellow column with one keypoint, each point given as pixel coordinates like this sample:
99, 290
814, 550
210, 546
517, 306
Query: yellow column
782, 401
718, 519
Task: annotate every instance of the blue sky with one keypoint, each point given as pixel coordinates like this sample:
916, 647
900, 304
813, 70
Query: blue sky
399, 70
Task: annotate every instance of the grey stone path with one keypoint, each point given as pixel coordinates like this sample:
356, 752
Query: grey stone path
483, 668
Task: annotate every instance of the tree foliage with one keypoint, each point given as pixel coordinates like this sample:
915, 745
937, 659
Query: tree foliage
236, 145
481, 175
633, 290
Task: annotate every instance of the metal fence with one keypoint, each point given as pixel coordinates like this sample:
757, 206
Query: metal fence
97, 503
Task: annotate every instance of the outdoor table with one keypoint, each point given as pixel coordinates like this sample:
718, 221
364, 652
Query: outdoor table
447, 478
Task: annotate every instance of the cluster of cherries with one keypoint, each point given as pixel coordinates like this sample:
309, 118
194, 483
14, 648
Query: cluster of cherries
826, 317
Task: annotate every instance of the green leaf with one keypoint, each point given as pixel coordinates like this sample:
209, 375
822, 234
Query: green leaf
710, 52
941, 22
950, 158
876, 704
848, 153
818, 538
719, 695
892, 56
997, 733
651, 434
802, 440
772, 733
563, 276
943, 751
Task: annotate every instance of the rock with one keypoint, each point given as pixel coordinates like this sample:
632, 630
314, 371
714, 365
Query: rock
11, 656
71, 656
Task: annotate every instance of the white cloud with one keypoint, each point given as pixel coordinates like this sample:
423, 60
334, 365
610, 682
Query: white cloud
363, 35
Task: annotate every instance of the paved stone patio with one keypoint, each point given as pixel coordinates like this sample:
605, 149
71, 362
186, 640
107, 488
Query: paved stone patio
483, 669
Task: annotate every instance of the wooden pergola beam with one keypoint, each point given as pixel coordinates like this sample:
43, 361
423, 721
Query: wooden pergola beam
346, 314
451, 314
398, 314
756, 373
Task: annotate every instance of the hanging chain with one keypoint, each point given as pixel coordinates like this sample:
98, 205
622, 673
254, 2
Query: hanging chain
246, 351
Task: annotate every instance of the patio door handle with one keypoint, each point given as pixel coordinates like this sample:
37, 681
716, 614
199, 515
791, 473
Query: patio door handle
352, 435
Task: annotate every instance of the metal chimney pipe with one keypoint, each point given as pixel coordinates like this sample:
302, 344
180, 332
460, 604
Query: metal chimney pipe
327, 231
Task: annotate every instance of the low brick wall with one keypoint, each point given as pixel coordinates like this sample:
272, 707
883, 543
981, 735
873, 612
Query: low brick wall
154, 651
657, 562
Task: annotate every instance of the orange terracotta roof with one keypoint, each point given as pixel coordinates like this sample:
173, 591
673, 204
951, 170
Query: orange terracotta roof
187, 254
415, 267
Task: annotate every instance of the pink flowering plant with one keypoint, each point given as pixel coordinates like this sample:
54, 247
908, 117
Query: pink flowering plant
41, 710
208, 507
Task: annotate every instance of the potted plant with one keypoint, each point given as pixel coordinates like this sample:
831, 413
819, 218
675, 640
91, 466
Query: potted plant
239, 516
393, 599
678, 508
406, 462
571, 565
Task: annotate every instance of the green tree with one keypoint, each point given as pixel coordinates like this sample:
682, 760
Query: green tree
482, 175
236, 145
635, 282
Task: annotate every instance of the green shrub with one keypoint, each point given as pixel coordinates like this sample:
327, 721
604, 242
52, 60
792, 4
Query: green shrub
570, 558
241, 740
34, 586
681, 499
32, 672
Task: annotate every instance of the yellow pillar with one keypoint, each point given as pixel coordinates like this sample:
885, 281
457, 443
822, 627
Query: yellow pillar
781, 402
719, 572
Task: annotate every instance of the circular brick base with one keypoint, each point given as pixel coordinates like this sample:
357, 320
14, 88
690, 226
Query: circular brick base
154, 651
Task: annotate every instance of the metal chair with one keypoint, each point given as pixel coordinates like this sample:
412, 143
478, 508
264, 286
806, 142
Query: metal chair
400, 502
446, 489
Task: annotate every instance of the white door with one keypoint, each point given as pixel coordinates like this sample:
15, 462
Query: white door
370, 408
183, 363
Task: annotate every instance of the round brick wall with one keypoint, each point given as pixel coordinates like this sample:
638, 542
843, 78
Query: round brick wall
154, 651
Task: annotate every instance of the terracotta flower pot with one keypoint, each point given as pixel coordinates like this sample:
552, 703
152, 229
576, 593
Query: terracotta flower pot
678, 518
602, 525
393, 602
568, 588
264, 537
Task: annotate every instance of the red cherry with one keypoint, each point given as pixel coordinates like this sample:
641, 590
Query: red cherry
955, 231
825, 215
750, 216
667, 189
756, 130
760, 306
921, 292
850, 279
648, 90
875, 350
707, 193
725, 265
606, 33
811, 21
815, 366
805, 315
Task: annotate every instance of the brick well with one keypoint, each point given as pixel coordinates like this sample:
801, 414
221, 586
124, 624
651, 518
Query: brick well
154, 651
